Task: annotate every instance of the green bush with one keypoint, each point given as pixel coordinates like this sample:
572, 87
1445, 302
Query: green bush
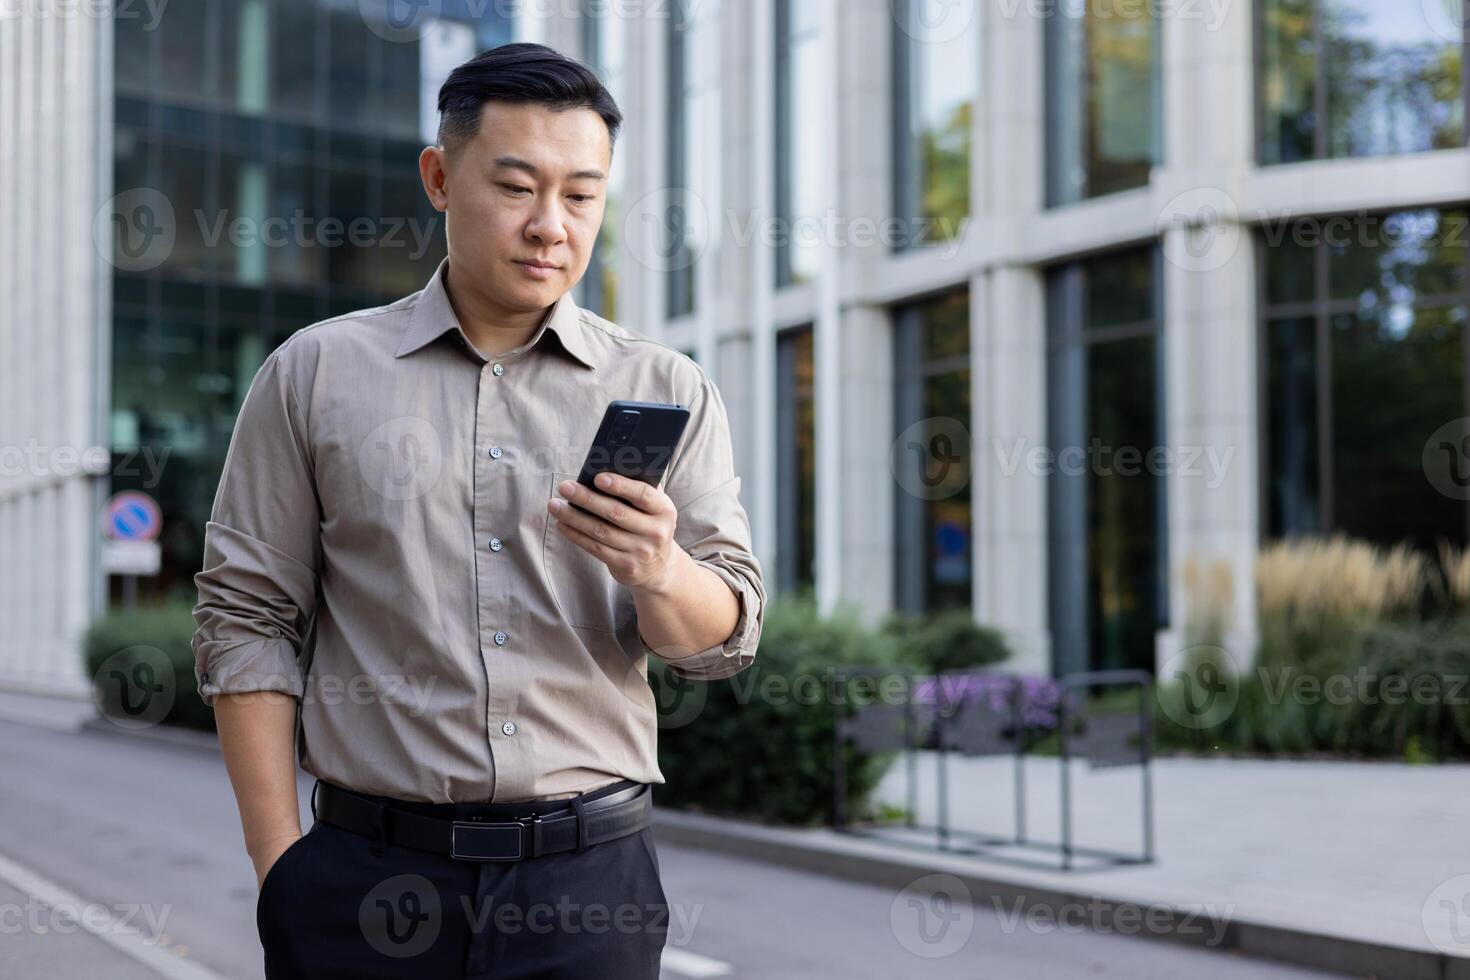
1395, 691
128, 655
950, 640
759, 744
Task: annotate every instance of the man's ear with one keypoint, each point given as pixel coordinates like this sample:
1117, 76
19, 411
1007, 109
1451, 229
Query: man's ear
434, 173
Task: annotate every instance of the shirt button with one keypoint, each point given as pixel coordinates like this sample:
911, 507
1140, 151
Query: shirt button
495, 544
509, 728
495, 452
499, 369
500, 639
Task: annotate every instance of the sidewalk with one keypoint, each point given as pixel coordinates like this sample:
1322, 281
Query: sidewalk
1353, 867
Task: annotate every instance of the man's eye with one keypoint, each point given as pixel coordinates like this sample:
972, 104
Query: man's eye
583, 198
516, 188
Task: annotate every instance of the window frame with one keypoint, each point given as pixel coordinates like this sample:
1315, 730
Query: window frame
1322, 135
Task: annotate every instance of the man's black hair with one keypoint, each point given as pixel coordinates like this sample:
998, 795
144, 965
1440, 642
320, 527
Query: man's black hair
519, 73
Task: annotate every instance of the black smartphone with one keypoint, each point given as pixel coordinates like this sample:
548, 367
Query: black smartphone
635, 439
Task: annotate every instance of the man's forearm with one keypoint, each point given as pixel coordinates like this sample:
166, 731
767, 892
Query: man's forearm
691, 610
257, 732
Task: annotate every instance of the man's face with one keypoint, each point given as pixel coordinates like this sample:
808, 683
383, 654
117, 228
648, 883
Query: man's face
523, 201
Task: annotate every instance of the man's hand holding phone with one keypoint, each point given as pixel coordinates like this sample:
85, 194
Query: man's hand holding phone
626, 524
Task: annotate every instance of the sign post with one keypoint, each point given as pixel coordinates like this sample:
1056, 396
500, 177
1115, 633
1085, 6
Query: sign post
131, 522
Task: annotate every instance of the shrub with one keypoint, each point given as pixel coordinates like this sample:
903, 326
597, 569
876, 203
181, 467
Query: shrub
949, 640
1318, 596
125, 654
1400, 692
760, 744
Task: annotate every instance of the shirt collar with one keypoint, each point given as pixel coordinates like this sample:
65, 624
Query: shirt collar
433, 316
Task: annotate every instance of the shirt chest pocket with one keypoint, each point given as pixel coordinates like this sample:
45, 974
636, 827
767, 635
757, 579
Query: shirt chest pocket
585, 591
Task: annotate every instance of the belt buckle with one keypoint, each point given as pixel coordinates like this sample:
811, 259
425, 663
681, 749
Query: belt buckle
499, 832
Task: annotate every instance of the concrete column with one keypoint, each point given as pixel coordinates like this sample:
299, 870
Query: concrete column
864, 364
833, 376
1210, 323
1008, 343
48, 349
1008, 310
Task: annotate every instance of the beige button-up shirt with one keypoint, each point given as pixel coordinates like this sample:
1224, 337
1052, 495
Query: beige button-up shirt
380, 548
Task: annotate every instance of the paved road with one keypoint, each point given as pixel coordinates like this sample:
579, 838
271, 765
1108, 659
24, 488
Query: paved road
149, 833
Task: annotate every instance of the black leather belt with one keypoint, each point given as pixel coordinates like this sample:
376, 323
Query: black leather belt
579, 823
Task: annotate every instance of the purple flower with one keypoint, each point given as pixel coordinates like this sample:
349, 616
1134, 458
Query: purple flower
1040, 696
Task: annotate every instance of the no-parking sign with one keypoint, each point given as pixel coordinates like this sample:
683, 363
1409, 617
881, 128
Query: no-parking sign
132, 521
132, 516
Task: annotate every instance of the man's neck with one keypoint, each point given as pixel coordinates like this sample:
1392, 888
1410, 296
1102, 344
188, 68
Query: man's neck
492, 329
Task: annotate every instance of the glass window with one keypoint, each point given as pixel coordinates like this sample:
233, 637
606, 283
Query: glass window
398, 85
604, 40
244, 63
354, 54
132, 52
692, 148
350, 265
1345, 78
293, 58
1104, 99
933, 533
184, 68
183, 180
935, 73
796, 461
408, 231
243, 196
1106, 504
296, 254
798, 125
1360, 371
222, 107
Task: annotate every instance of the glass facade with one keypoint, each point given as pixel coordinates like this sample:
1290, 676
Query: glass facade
936, 74
692, 129
798, 125
933, 533
1347, 78
796, 461
604, 43
283, 136
1107, 522
1104, 99
1363, 352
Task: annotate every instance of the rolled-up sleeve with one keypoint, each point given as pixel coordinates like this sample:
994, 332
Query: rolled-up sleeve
262, 549
715, 531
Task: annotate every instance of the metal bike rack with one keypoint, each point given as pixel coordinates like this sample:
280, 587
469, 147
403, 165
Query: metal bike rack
976, 728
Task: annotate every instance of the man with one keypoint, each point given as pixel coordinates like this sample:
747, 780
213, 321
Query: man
390, 554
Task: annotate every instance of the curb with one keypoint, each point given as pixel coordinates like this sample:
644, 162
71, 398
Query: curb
857, 859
